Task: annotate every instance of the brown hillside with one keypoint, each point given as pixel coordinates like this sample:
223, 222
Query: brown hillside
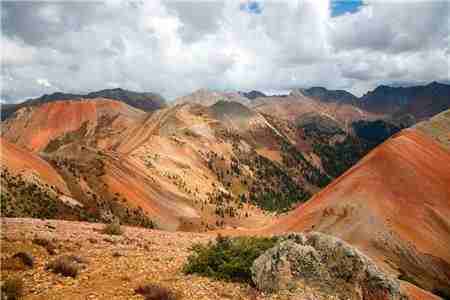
437, 127
294, 107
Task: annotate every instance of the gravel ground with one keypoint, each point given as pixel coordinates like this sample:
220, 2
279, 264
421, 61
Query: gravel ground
116, 265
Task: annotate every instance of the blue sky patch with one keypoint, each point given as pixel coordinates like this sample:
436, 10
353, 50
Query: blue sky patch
340, 7
252, 7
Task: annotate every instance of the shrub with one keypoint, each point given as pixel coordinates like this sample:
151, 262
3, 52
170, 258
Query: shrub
76, 259
155, 292
227, 259
47, 244
113, 228
26, 258
117, 254
441, 293
12, 289
406, 277
18, 262
65, 265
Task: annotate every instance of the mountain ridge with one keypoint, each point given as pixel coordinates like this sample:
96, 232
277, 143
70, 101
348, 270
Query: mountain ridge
422, 101
146, 101
193, 167
326, 95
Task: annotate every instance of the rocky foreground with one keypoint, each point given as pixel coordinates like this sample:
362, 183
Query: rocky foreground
113, 266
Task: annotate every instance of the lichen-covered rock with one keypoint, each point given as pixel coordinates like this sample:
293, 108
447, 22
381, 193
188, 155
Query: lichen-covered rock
323, 262
278, 267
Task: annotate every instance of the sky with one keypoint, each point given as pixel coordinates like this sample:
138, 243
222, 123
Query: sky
176, 47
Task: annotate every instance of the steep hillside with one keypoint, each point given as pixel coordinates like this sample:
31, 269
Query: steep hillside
185, 167
145, 101
296, 106
38, 127
30, 186
337, 149
18, 160
238, 117
393, 205
218, 158
438, 127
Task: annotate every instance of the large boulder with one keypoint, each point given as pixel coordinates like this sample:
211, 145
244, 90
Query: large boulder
326, 264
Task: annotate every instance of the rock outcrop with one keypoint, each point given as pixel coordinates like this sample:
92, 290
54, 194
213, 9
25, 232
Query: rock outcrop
324, 263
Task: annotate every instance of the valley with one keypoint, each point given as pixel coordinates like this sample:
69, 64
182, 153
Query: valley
221, 163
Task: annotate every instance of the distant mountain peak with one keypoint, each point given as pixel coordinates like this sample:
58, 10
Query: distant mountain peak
436, 84
421, 101
208, 97
253, 94
325, 95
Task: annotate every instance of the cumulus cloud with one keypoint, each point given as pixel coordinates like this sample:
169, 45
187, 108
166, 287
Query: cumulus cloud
15, 52
394, 27
175, 47
44, 82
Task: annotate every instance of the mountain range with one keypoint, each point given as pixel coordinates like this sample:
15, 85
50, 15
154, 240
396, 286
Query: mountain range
371, 170
146, 101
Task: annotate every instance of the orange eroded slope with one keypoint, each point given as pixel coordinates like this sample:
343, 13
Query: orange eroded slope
403, 184
415, 293
21, 161
143, 189
34, 127
394, 205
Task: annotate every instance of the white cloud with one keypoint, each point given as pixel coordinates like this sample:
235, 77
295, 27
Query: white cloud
176, 47
15, 52
44, 82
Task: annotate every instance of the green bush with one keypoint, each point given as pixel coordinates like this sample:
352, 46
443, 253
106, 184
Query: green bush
406, 277
113, 228
12, 289
228, 258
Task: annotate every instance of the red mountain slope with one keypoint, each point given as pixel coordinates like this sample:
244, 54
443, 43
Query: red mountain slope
394, 205
34, 127
19, 161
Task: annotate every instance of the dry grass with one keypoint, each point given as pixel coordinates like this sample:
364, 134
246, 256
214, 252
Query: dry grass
65, 265
47, 244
